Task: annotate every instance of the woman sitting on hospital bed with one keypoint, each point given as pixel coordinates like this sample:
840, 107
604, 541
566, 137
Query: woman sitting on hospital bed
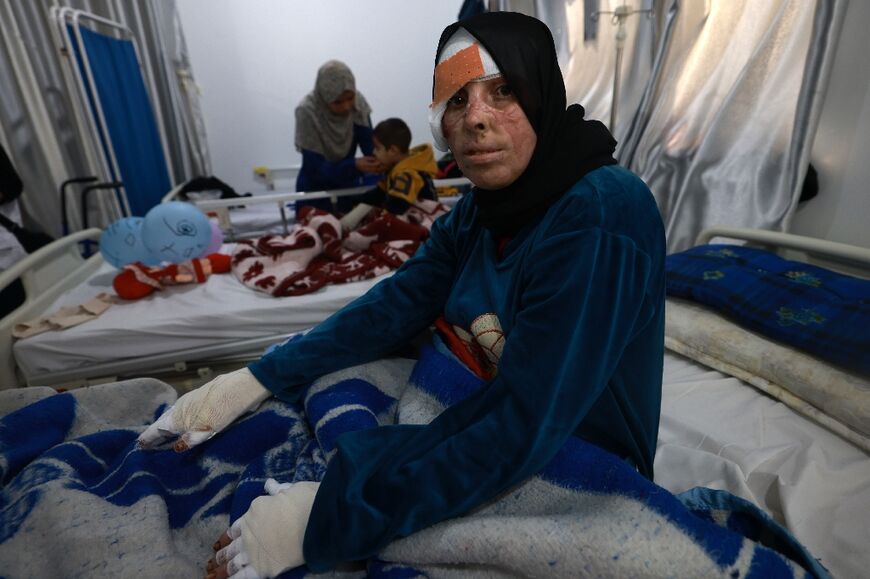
332, 122
547, 282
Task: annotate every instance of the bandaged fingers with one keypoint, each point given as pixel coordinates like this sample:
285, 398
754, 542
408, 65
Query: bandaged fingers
234, 548
274, 487
271, 533
165, 428
267, 540
162, 429
201, 413
234, 557
228, 548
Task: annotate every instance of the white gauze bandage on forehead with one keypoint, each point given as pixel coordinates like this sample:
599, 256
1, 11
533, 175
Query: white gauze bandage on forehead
462, 60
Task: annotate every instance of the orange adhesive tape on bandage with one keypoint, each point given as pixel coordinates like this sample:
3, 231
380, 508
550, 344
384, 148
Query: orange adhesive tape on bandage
453, 73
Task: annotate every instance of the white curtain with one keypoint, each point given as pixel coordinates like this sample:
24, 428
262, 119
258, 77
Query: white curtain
726, 135
46, 140
39, 132
720, 108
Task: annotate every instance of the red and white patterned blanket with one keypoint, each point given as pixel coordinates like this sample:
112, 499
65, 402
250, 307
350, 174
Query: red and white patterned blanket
317, 253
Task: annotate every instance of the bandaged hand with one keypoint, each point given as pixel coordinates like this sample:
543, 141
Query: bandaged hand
267, 540
202, 413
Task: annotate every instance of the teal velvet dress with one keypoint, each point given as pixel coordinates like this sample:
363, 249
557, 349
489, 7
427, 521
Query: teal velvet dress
579, 297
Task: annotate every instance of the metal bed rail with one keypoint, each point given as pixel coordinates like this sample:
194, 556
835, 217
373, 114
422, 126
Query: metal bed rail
830, 251
221, 206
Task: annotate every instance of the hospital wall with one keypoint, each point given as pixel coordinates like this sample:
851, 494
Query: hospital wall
255, 60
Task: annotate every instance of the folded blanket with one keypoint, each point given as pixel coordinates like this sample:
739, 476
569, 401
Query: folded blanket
808, 307
79, 499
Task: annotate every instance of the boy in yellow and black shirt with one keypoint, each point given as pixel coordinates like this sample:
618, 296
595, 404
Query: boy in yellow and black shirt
409, 171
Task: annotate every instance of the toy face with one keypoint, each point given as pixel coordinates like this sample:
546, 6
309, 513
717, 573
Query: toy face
176, 231
121, 243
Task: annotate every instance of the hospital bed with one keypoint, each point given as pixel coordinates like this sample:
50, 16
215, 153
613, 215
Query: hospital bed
800, 459
783, 428
220, 320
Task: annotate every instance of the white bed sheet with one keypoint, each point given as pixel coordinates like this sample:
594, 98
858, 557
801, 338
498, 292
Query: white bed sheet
719, 432
219, 311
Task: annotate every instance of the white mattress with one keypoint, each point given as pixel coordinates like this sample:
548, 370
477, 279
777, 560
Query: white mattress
218, 312
719, 432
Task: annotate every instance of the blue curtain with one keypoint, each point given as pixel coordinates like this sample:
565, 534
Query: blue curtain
130, 122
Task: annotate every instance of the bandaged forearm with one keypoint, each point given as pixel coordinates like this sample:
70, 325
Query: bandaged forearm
214, 405
273, 528
357, 214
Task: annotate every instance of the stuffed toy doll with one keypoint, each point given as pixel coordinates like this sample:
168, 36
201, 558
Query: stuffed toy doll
139, 280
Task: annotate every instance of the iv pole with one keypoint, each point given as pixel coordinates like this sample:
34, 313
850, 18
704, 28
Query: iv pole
619, 15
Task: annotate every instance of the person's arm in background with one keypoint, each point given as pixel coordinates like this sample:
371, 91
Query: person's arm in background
396, 205
369, 165
321, 174
403, 190
362, 136
347, 172
374, 196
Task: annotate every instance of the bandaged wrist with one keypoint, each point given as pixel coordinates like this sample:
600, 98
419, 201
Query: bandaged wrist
214, 405
273, 528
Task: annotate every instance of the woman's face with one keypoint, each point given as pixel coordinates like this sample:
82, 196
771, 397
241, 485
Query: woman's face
342, 105
489, 134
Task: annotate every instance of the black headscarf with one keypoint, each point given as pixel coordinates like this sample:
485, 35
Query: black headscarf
568, 146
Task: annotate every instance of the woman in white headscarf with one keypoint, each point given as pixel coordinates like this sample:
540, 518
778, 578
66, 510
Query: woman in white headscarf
332, 122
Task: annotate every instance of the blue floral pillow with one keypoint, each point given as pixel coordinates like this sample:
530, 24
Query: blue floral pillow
805, 306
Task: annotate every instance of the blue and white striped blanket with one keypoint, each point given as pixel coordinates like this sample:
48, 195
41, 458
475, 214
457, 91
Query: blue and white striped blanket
80, 500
